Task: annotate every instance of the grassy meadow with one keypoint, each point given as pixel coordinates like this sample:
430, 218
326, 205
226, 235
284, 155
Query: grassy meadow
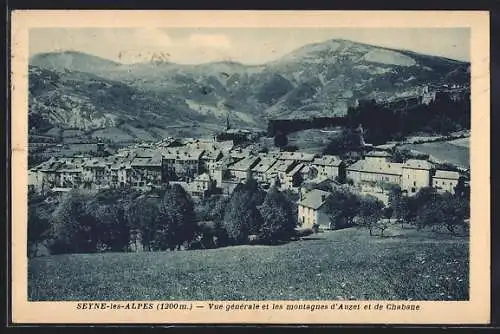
334, 265
453, 152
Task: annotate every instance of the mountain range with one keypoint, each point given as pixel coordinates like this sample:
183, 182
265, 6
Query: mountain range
81, 91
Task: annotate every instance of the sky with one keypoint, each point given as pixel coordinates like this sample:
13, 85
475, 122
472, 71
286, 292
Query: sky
245, 45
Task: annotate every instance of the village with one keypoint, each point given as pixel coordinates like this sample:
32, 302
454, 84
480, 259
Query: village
335, 168
206, 167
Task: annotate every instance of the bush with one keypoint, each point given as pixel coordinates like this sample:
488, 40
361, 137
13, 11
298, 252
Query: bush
304, 232
315, 228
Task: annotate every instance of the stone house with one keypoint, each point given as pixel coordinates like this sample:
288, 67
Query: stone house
416, 175
311, 209
445, 181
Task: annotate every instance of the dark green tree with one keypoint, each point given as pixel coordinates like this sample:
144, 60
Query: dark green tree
38, 227
370, 212
279, 218
74, 226
241, 216
348, 140
143, 217
343, 206
113, 228
178, 220
446, 210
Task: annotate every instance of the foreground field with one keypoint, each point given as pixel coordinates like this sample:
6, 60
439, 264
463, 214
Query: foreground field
346, 264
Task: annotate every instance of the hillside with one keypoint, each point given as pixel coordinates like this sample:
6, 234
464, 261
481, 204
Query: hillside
320, 79
105, 108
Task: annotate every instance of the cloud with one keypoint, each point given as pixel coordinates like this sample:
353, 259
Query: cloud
219, 41
151, 37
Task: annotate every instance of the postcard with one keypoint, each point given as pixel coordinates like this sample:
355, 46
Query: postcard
250, 167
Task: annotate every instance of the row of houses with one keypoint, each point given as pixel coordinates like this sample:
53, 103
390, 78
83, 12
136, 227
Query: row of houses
285, 170
139, 167
370, 176
203, 166
376, 170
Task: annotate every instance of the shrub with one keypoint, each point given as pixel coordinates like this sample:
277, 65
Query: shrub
304, 232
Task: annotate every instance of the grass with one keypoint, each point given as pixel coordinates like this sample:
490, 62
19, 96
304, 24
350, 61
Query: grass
311, 140
444, 151
335, 265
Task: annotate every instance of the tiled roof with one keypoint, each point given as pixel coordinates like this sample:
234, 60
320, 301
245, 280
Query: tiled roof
296, 156
380, 154
314, 199
296, 169
418, 164
182, 153
327, 160
367, 166
147, 162
264, 164
446, 174
212, 154
282, 166
245, 164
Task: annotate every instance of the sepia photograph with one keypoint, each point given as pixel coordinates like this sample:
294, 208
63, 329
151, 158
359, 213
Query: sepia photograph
317, 165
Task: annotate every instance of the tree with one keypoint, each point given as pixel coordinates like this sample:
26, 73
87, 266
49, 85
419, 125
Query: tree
395, 193
241, 217
417, 203
143, 216
211, 208
370, 212
347, 141
462, 190
447, 210
210, 213
279, 218
38, 227
113, 228
388, 212
280, 140
400, 155
177, 219
343, 207
405, 210
74, 225
312, 173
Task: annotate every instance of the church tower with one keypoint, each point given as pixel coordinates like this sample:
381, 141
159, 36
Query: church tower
227, 121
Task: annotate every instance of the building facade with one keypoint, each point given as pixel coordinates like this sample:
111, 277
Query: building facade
311, 211
416, 175
445, 181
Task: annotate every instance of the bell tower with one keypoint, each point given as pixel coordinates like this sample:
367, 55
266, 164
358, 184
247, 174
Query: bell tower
228, 126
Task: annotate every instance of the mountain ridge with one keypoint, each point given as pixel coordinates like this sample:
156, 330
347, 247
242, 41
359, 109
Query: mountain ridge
76, 52
320, 79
